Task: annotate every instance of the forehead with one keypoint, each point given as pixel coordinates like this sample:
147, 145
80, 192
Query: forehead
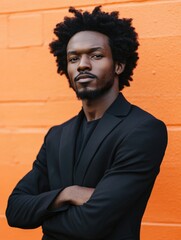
87, 40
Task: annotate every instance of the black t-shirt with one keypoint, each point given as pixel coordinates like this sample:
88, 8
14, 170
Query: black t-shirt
85, 131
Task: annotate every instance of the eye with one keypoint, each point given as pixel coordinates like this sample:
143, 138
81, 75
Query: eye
73, 59
97, 56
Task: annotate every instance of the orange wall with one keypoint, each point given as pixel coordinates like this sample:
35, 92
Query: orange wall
33, 97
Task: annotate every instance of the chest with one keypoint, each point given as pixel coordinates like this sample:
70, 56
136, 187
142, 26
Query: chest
65, 167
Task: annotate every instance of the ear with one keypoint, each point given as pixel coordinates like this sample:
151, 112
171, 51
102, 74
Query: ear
119, 68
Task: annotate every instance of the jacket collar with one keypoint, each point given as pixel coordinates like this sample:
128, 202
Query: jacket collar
120, 107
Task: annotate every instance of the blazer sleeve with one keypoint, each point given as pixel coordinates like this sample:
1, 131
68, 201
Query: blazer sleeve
134, 169
29, 201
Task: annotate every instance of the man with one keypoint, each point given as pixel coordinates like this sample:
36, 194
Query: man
94, 173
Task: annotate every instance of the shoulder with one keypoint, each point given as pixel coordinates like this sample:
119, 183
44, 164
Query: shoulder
144, 138
132, 115
56, 130
138, 117
144, 128
139, 127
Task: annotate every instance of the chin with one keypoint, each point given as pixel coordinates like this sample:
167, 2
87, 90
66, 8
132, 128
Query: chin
91, 94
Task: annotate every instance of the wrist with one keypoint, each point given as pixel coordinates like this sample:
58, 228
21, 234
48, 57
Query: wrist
61, 199
65, 195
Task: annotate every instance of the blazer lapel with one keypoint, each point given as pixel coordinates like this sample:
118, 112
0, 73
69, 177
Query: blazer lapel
112, 117
67, 150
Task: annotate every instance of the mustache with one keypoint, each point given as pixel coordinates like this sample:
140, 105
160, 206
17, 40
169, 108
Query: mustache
88, 74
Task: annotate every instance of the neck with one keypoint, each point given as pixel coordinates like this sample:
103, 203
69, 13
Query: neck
95, 109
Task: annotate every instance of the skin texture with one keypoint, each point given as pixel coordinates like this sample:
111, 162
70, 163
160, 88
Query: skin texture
88, 51
90, 68
74, 195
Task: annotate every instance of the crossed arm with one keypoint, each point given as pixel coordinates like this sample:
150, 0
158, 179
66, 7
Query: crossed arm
136, 164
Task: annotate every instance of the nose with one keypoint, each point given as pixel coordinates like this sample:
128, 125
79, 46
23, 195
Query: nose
84, 63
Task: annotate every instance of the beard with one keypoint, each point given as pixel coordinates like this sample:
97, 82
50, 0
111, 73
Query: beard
87, 94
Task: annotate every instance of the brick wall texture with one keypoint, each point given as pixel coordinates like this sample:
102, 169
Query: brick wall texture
34, 97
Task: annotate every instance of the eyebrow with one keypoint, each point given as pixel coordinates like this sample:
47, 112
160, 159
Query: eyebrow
89, 50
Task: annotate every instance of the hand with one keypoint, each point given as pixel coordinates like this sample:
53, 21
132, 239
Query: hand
75, 195
79, 195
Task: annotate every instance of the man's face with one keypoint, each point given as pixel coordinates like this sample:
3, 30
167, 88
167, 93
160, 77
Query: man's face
90, 66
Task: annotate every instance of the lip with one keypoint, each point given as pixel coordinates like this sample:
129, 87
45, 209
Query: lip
83, 78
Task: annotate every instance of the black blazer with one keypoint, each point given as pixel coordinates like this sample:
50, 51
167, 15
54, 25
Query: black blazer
121, 160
